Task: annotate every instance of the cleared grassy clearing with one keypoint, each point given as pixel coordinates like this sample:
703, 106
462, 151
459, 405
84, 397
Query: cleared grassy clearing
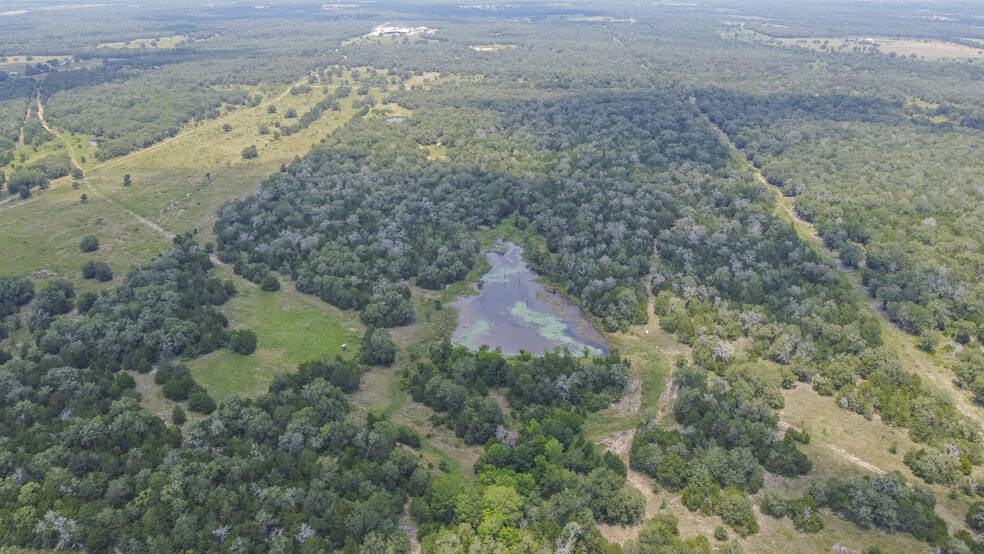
382, 393
16, 63
291, 327
163, 43
842, 438
43, 233
435, 151
923, 49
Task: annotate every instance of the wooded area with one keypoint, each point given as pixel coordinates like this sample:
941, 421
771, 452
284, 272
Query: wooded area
625, 148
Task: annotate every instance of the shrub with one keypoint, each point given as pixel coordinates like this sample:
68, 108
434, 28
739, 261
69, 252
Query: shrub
736, 511
774, 503
243, 341
797, 436
167, 372
270, 283
932, 465
721, 533
86, 301
89, 244
806, 515
199, 401
178, 389
14, 293
178, 416
378, 347
406, 435
97, 270
975, 516
250, 152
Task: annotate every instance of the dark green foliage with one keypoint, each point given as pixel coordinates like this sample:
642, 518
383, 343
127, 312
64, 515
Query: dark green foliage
774, 503
555, 379
478, 420
975, 516
901, 271
969, 367
736, 511
885, 502
586, 130
165, 306
199, 401
702, 496
376, 242
377, 347
50, 167
721, 533
99, 271
730, 440
178, 416
242, 341
353, 480
54, 299
250, 152
122, 382
14, 293
933, 465
797, 436
255, 273
805, 513
270, 283
89, 244
178, 389
24, 180
344, 374
86, 301
408, 436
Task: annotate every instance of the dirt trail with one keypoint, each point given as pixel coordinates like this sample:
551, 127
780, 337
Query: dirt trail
841, 453
620, 443
667, 399
85, 178
27, 116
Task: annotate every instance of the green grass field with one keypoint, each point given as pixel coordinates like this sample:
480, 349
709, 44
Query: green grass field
163, 43
291, 328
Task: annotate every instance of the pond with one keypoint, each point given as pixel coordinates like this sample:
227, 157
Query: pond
515, 312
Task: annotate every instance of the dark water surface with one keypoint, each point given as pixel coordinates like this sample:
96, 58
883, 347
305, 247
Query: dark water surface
516, 313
